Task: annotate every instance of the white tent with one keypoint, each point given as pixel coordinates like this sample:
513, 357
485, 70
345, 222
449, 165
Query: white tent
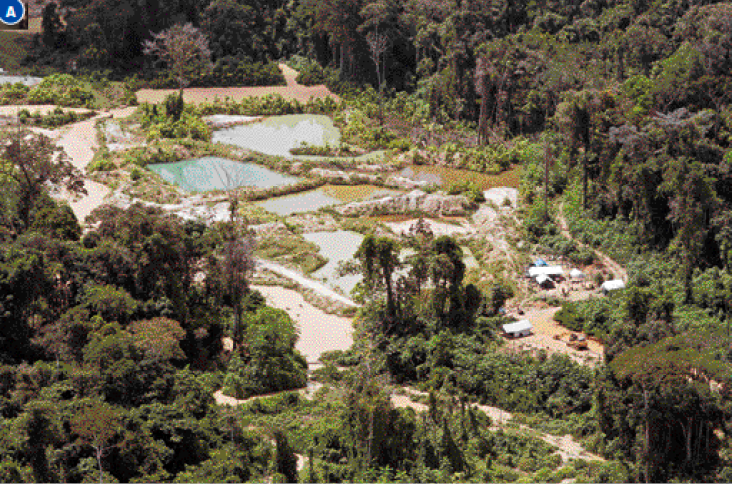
546, 271
613, 285
542, 279
576, 274
519, 328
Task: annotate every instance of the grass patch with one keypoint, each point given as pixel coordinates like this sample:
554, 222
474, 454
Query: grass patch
291, 250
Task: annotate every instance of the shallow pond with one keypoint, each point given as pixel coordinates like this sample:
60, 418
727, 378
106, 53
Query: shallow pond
336, 247
276, 135
299, 202
213, 173
447, 176
470, 261
324, 196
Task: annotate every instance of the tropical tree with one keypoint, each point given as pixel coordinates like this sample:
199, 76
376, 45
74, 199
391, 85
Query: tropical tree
379, 259
32, 161
184, 50
97, 424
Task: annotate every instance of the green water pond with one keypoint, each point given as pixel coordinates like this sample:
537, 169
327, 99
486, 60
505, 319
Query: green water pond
214, 173
277, 135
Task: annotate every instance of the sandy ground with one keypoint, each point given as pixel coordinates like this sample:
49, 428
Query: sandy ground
196, 95
42, 108
499, 195
319, 331
544, 330
438, 228
79, 141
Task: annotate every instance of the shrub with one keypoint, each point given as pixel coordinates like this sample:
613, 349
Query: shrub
272, 363
159, 121
135, 173
101, 162
61, 89
58, 117
311, 73
57, 220
13, 93
535, 224
229, 71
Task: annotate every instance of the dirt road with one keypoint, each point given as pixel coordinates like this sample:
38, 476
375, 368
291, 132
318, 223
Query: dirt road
196, 95
79, 141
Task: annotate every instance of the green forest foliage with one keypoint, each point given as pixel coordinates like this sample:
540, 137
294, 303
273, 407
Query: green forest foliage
109, 351
626, 103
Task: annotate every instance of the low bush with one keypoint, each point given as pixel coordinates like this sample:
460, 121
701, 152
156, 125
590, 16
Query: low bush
173, 120
311, 73
62, 89
101, 162
468, 188
230, 71
57, 117
269, 105
13, 93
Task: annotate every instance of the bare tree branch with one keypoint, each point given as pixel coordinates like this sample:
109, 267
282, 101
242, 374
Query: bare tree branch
184, 49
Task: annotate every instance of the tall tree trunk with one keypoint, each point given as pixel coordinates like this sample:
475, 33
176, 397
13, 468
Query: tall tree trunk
547, 156
340, 50
584, 179
647, 438
483, 117
621, 64
98, 452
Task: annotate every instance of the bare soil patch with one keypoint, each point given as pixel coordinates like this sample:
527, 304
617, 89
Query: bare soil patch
196, 95
545, 328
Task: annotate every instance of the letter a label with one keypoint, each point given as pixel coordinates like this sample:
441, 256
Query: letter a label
11, 12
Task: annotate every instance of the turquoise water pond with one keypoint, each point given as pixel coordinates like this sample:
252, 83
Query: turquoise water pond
213, 173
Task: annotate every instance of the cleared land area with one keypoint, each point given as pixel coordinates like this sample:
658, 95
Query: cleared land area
196, 95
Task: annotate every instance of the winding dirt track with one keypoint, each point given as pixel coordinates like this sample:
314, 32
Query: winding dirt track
79, 141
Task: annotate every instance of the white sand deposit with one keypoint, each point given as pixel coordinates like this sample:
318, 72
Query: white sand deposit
319, 331
438, 228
